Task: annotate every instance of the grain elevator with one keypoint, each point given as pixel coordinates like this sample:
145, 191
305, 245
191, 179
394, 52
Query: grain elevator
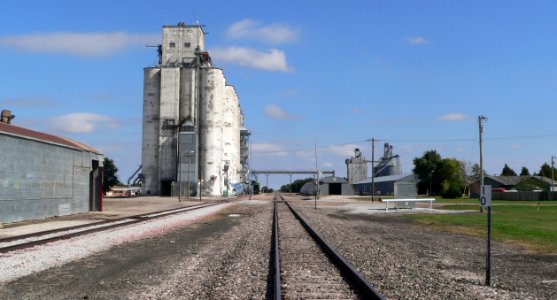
193, 127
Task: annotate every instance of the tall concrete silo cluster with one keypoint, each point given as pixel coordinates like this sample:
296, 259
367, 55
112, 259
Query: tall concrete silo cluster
389, 163
192, 122
356, 167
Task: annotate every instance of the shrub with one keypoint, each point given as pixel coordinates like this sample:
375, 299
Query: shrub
450, 189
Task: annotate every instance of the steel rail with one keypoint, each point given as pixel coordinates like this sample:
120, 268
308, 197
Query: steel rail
364, 287
45, 232
134, 220
276, 259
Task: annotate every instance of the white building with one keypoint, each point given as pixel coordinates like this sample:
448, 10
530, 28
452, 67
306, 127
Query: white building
192, 120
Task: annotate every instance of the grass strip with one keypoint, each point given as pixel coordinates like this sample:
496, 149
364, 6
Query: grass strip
527, 224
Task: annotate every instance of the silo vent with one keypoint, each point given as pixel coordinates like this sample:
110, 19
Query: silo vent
6, 116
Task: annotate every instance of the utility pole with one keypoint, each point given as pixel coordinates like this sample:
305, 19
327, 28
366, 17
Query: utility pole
372, 169
488, 252
316, 179
372, 140
480, 125
552, 173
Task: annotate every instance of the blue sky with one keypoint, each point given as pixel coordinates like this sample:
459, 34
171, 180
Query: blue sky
415, 74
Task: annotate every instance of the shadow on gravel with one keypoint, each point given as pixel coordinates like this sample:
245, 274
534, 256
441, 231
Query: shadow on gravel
270, 277
269, 294
386, 219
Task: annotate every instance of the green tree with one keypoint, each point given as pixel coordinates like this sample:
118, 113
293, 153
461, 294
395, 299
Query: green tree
425, 168
451, 173
295, 186
110, 178
530, 184
507, 171
545, 170
476, 172
524, 172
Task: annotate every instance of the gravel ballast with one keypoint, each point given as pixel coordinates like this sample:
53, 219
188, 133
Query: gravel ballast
224, 254
405, 260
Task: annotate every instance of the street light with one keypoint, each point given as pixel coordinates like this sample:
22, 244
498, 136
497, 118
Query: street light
200, 186
430, 179
190, 155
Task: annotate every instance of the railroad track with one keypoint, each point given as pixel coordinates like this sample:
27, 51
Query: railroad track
306, 267
43, 237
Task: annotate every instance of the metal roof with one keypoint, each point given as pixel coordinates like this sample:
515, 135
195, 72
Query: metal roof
514, 180
546, 179
13, 130
506, 180
398, 177
333, 179
285, 171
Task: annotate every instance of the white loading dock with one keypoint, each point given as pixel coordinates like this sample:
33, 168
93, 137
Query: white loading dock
407, 203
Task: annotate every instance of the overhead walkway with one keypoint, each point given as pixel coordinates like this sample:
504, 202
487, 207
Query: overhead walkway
267, 173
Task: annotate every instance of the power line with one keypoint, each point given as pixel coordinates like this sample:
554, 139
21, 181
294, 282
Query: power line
474, 139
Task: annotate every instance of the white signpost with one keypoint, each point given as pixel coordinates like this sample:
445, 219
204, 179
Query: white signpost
485, 201
485, 196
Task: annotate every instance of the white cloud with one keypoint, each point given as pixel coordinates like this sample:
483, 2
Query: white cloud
417, 40
253, 30
267, 148
82, 123
272, 60
516, 146
278, 113
79, 44
343, 150
306, 154
454, 117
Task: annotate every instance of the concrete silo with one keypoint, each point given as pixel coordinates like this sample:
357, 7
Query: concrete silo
231, 135
169, 99
389, 163
356, 167
192, 119
211, 130
150, 145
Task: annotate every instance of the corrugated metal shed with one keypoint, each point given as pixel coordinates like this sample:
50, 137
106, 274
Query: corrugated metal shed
398, 177
386, 185
44, 175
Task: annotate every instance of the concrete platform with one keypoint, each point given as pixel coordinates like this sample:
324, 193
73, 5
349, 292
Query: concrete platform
362, 205
113, 208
